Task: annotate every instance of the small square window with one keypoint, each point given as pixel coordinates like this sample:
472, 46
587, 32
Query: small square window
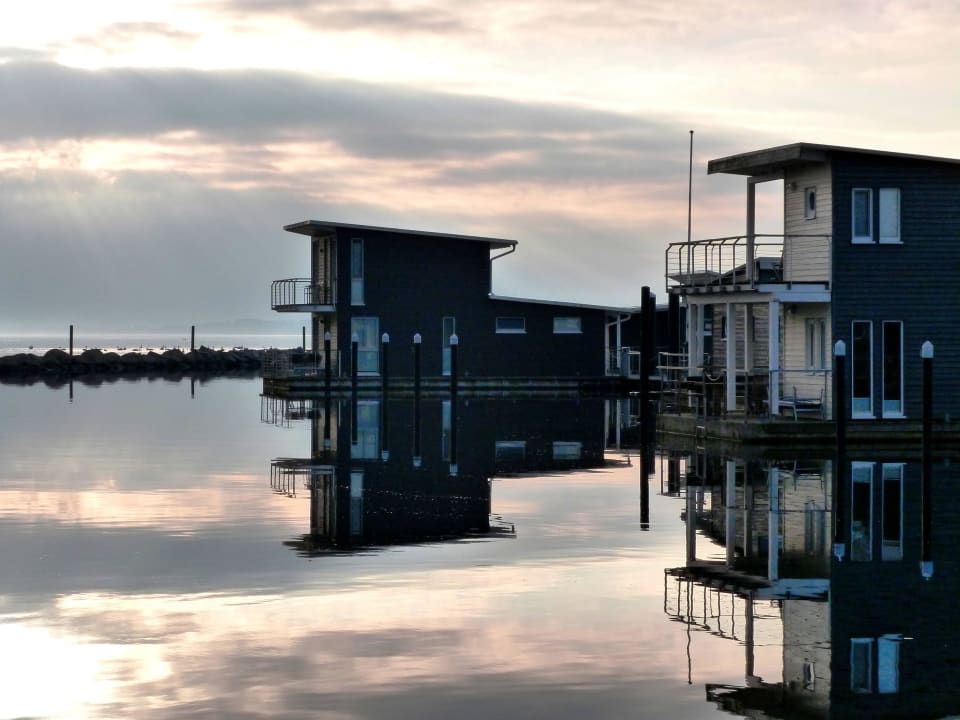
809, 203
566, 325
567, 450
509, 324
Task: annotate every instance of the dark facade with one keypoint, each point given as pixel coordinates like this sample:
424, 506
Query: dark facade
908, 282
378, 280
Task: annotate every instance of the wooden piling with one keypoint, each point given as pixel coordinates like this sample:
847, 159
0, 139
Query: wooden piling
193, 338
926, 480
841, 471
454, 352
417, 342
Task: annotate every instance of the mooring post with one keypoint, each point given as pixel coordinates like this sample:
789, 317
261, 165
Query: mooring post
926, 555
193, 337
354, 383
303, 341
840, 462
417, 341
644, 498
71, 341
327, 340
385, 396
454, 352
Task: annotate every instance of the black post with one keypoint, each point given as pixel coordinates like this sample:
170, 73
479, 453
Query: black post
673, 320
354, 383
926, 555
327, 339
71, 341
385, 393
303, 342
648, 348
454, 351
417, 341
71, 389
193, 337
644, 498
326, 424
193, 388
840, 462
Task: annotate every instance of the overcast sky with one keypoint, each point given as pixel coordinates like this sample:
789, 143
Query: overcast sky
150, 152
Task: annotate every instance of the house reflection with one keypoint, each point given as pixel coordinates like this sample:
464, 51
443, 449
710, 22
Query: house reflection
866, 636
405, 472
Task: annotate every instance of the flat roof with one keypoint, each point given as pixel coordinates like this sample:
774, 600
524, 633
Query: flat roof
312, 228
769, 160
583, 306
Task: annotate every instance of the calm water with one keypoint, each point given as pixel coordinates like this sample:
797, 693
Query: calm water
156, 563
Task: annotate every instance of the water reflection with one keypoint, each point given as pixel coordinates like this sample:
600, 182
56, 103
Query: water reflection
863, 632
382, 473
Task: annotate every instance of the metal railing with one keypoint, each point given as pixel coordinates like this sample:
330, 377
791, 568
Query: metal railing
297, 363
803, 392
296, 292
724, 261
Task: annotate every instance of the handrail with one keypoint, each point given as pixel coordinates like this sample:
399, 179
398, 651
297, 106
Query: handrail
723, 261
292, 292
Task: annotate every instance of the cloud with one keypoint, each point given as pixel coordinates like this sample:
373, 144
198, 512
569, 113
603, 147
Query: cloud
124, 34
359, 16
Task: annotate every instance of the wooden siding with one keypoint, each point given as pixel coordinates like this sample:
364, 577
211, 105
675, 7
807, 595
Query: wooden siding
913, 281
795, 372
807, 259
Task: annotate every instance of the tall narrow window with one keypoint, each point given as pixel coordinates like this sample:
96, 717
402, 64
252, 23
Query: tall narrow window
816, 343
356, 503
861, 512
367, 330
446, 429
862, 369
889, 215
892, 369
448, 330
356, 271
892, 547
888, 663
862, 215
368, 431
861, 665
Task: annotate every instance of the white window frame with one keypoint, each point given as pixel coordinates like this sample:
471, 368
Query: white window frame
888, 664
891, 550
357, 260
563, 450
889, 201
816, 344
863, 411
511, 331
809, 213
861, 239
890, 411
860, 689
862, 473
567, 319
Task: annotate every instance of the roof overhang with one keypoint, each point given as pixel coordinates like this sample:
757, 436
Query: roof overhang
314, 228
776, 159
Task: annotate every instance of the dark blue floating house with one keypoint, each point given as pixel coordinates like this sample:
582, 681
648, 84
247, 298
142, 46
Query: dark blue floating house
377, 283
865, 256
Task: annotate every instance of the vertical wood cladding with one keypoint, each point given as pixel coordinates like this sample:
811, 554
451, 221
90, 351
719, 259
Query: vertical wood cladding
912, 282
412, 282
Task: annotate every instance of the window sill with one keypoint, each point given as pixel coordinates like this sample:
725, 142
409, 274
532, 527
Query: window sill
863, 416
511, 332
568, 332
891, 242
863, 241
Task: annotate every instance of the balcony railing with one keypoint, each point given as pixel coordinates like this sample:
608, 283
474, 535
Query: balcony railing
302, 294
719, 262
298, 363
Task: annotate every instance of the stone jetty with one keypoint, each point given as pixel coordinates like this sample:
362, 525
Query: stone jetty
58, 364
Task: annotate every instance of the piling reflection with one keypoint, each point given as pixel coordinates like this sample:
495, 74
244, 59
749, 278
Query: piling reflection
865, 633
406, 471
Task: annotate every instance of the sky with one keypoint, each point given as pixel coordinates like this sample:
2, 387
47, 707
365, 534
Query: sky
151, 152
